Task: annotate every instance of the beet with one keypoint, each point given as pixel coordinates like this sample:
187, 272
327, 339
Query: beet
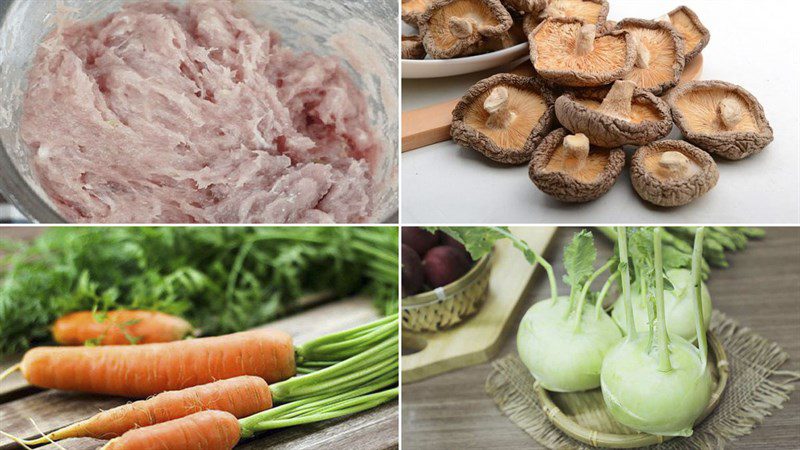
445, 264
413, 274
446, 239
419, 239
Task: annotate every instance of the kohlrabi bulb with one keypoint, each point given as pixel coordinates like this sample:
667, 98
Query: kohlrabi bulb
560, 358
678, 305
640, 396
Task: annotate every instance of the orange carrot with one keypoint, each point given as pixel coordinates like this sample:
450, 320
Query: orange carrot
240, 396
119, 328
207, 430
139, 371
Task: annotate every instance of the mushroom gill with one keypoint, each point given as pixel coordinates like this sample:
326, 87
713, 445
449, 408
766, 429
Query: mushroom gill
453, 28
504, 117
694, 34
721, 118
672, 173
567, 167
659, 54
569, 53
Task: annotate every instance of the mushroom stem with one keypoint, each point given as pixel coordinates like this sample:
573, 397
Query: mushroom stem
462, 27
585, 40
496, 104
642, 54
673, 164
619, 99
576, 148
730, 113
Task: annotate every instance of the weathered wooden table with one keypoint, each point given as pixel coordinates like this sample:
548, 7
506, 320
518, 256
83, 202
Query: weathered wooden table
760, 289
374, 429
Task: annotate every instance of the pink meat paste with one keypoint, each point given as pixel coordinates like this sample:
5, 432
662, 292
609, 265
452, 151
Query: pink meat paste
161, 113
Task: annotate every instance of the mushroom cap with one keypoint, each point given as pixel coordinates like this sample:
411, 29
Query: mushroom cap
694, 34
653, 186
412, 47
412, 10
602, 168
588, 11
650, 118
666, 54
554, 57
532, 104
491, 17
694, 109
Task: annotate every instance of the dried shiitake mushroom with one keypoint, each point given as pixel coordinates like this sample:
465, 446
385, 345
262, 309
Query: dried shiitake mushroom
525, 6
694, 34
672, 173
411, 10
568, 168
659, 54
721, 118
614, 117
587, 11
452, 28
504, 117
510, 38
412, 47
569, 53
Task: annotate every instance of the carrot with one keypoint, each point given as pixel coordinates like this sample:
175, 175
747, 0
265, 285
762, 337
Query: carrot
139, 371
119, 328
240, 396
207, 430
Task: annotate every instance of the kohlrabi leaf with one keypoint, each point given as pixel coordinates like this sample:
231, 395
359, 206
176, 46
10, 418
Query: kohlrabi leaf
643, 257
579, 257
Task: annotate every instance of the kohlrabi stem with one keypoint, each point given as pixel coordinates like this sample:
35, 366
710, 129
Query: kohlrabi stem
697, 255
573, 292
585, 290
520, 244
598, 307
622, 239
664, 364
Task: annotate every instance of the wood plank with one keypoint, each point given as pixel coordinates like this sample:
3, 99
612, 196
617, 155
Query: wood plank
480, 337
759, 289
54, 409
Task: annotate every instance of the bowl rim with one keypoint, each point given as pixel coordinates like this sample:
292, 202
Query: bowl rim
466, 59
597, 438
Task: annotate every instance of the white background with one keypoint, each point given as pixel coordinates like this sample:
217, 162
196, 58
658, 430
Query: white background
755, 44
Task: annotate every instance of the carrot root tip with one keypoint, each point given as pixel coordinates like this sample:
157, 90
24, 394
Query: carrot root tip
9, 371
19, 441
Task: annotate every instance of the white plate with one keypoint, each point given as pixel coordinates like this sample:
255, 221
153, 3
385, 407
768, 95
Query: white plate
437, 68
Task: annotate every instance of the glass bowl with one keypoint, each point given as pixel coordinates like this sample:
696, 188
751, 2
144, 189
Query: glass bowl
363, 34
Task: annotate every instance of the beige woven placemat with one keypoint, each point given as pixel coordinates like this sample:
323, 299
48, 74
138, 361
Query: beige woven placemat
755, 388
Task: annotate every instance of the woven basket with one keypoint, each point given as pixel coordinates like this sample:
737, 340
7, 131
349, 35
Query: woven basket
444, 307
584, 417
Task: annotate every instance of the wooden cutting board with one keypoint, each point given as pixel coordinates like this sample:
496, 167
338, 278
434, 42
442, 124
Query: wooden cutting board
478, 339
372, 429
429, 125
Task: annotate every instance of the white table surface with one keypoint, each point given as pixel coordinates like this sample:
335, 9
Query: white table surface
757, 47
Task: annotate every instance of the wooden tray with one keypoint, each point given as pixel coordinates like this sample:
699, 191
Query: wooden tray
429, 125
583, 415
477, 339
